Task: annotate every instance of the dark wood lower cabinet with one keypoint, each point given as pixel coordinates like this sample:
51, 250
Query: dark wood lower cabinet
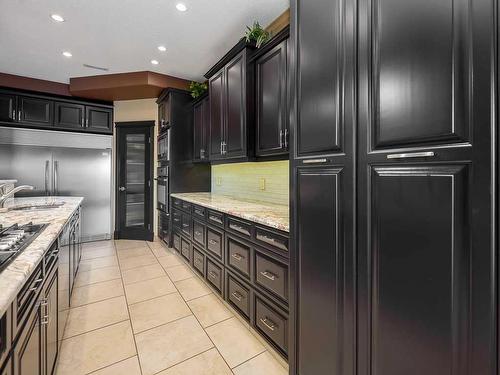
7, 368
28, 350
232, 254
51, 321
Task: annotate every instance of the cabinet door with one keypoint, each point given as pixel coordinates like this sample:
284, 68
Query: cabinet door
216, 90
8, 106
427, 289
319, 83
272, 129
35, 111
205, 130
197, 130
50, 321
99, 119
69, 115
28, 349
235, 137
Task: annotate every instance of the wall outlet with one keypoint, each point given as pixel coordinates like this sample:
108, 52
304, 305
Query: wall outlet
262, 184
219, 181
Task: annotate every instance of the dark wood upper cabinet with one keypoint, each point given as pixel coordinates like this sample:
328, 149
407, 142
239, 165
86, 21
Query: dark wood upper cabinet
21, 109
319, 84
231, 105
217, 118
35, 111
235, 136
69, 115
99, 119
8, 107
201, 120
271, 108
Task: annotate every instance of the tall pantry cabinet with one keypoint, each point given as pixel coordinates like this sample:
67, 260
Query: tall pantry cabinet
393, 202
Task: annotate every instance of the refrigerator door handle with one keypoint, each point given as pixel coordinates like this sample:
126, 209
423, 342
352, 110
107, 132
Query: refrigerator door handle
47, 177
56, 167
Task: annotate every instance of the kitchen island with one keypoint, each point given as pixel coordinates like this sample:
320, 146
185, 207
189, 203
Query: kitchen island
15, 275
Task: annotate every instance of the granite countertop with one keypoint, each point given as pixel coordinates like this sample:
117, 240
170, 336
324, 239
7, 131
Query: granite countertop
15, 275
272, 215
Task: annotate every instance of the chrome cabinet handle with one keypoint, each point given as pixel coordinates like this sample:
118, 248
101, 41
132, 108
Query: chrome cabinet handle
281, 138
238, 228
268, 275
215, 218
197, 233
122, 188
44, 321
36, 283
212, 242
238, 296
314, 161
237, 256
177, 219
44, 302
19, 115
265, 238
86, 123
411, 155
14, 114
83, 122
271, 325
286, 138
185, 225
212, 274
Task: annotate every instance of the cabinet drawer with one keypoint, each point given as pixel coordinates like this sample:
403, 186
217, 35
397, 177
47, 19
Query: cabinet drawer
214, 275
199, 212
239, 226
216, 218
186, 249
199, 261
177, 219
238, 295
271, 323
238, 256
186, 224
215, 242
199, 230
271, 275
176, 203
186, 206
28, 294
271, 239
177, 242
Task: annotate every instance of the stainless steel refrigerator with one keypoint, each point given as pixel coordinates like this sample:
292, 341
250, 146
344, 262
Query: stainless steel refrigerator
63, 164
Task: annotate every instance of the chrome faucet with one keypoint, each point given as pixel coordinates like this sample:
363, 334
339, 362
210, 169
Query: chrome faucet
10, 193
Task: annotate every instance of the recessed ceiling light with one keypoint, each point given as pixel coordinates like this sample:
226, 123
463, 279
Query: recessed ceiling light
57, 17
154, 62
181, 7
162, 48
67, 54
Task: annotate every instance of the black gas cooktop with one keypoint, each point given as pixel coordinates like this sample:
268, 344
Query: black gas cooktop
14, 239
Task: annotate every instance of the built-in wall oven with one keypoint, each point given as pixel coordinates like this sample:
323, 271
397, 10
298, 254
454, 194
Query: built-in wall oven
162, 192
163, 146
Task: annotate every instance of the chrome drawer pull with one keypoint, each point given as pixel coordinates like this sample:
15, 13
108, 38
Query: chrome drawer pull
411, 155
44, 321
268, 275
185, 225
36, 283
216, 219
238, 228
177, 219
197, 233
238, 296
271, 325
237, 256
212, 274
314, 161
44, 302
268, 239
212, 242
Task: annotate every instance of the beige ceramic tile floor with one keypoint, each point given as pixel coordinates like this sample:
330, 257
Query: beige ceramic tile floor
138, 310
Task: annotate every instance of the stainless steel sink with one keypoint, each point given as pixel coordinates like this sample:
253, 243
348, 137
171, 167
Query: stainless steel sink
43, 206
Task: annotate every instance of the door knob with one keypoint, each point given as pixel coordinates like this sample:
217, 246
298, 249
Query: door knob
122, 188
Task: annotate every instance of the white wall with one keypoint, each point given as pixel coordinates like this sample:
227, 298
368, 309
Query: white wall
138, 110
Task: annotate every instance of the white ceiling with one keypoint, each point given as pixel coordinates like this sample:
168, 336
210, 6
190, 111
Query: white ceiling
123, 35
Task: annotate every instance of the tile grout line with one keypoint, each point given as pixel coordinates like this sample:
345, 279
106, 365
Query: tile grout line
102, 368
206, 333
130, 319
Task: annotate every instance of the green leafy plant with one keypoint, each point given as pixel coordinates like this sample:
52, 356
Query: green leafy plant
197, 89
257, 34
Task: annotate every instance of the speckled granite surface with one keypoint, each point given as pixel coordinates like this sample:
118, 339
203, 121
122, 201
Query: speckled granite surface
15, 275
272, 215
